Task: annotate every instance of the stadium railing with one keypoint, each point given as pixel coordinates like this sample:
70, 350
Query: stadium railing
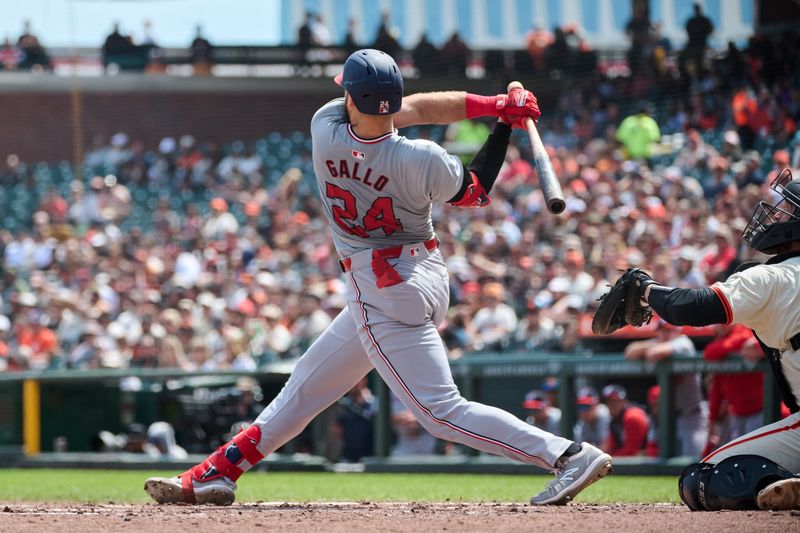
40, 407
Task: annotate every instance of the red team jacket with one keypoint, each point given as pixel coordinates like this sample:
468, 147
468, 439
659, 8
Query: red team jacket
744, 393
628, 434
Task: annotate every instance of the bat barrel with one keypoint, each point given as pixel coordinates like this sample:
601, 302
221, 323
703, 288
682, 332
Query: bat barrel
551, 188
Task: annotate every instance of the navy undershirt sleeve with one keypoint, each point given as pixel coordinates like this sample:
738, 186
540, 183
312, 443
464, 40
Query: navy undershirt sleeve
487, 162
687, 307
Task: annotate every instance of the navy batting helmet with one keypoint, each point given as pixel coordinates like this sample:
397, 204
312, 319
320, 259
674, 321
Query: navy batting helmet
773, 225
373, 81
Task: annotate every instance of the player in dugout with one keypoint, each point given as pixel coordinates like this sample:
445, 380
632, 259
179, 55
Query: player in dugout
759, 469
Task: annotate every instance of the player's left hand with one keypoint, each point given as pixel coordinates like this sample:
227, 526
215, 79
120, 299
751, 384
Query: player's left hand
518, 106
623, 303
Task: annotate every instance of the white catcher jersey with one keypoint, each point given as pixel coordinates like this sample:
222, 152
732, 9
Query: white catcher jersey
766, 298
378, 192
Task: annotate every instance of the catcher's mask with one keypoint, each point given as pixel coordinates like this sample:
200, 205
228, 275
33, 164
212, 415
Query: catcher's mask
773, 225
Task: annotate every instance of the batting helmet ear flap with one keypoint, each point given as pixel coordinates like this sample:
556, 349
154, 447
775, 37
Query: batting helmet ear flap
690, 484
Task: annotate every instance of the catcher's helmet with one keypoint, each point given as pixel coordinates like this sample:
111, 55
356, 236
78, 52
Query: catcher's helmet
773, 225
373, 81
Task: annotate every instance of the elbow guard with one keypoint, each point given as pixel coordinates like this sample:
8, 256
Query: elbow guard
473, 195
687, 307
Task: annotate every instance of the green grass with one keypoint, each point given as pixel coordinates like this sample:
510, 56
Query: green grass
103, 486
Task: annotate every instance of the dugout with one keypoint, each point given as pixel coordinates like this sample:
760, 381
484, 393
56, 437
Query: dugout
40, 407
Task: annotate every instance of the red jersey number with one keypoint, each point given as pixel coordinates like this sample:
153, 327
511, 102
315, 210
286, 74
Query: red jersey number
379, 215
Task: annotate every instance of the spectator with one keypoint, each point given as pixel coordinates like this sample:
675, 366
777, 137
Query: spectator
386, 36
535, 330
279, 339
594, 420
629, 424
305, 35
690, 409
320, 35
717, 262
719, 180
350, 43
537, 40
222, 223
495, 321
311, 322
31, 332
201, 49
5, 328
426, 56
116, 45
639, 30
698, 29
735, 401
89, 352
541, 414
687, 273
637, 134
357, 409
455, 55
33, 53
10, 55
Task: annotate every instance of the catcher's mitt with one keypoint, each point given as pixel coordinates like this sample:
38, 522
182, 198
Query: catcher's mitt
623, 303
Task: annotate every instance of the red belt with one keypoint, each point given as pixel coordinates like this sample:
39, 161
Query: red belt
385, 274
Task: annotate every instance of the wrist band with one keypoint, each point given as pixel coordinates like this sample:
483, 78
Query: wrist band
482, 106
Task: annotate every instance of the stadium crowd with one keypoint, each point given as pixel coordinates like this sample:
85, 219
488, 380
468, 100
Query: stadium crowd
249, 275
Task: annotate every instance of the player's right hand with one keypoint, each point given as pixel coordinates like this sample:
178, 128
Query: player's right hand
517, 106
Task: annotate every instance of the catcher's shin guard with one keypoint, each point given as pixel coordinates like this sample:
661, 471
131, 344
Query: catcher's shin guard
230, 460
732, 484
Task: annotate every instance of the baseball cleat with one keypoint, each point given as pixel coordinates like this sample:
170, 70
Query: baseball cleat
574, 475
783, 495
185, 489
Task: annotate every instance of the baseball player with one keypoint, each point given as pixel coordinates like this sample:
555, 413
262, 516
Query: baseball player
377, 189
691, 410
759, 468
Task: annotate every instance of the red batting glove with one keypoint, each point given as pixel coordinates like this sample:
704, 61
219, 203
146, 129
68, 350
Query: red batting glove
518, 106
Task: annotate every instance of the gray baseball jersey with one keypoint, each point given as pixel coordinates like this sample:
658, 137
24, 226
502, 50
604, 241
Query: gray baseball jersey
378, 192
766, 298
378, 195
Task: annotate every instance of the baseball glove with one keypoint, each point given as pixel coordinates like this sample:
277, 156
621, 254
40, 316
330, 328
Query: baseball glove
623, 303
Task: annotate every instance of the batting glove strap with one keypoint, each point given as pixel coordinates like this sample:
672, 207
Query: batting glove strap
484, 106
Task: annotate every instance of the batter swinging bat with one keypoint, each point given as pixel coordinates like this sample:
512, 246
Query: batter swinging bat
551, 188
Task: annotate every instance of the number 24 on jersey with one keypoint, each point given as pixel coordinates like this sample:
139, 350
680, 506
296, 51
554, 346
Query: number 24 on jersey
380, 215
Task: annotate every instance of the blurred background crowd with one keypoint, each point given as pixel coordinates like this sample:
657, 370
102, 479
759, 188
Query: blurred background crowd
195, 254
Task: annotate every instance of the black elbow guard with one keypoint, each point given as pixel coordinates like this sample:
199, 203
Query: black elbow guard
687, 307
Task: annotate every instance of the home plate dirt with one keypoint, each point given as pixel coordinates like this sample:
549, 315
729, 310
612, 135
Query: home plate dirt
401, 517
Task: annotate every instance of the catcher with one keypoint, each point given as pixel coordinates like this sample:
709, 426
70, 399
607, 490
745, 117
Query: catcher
759, 469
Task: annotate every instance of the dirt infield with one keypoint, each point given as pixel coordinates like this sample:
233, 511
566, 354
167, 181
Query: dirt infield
365, 516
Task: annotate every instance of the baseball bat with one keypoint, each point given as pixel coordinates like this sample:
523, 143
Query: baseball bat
551, 188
